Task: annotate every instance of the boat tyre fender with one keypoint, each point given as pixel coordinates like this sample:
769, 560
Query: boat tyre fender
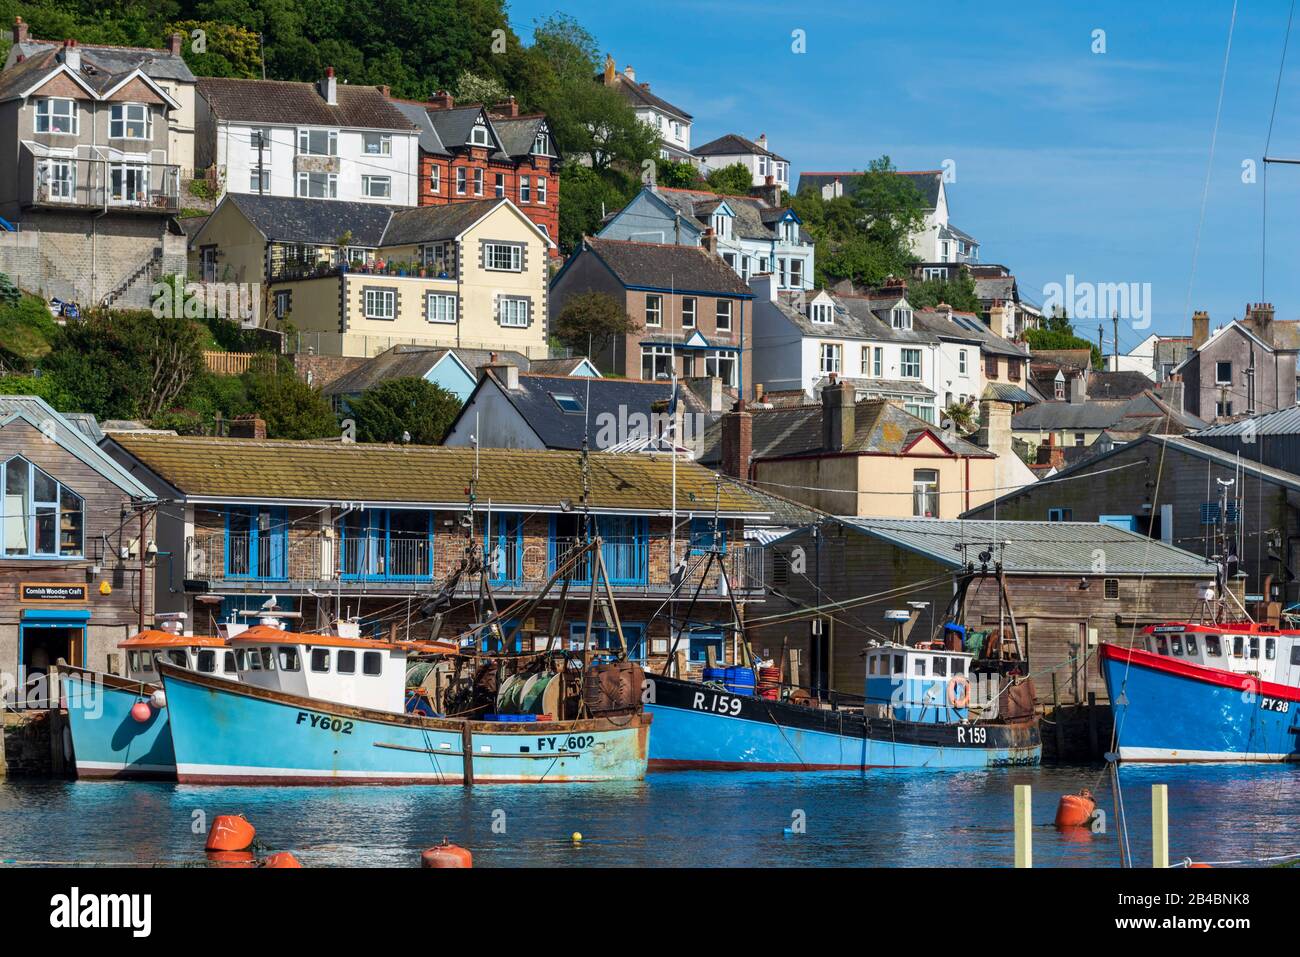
958, 691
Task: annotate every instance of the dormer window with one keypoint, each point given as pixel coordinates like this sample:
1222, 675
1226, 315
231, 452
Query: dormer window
56, 115
721, 223
822, 313
542, 145
901, 317
478, 136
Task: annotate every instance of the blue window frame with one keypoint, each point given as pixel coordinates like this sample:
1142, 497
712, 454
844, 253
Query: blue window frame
702, 536
1210, 513
503, 541
625, 546
490, 643
256, 543
701, 641
386, 544
606, 638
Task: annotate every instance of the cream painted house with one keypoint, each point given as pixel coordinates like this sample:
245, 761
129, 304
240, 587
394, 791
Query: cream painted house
354, 279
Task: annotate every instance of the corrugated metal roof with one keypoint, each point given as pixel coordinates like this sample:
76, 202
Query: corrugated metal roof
73, 437
1050, 548
1282, 422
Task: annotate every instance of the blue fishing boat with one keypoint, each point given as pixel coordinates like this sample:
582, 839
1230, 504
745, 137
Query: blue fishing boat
1206, 691
273, 727
118, 724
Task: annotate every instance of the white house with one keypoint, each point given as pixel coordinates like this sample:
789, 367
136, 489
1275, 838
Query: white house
672, 122
311, 140
734, 149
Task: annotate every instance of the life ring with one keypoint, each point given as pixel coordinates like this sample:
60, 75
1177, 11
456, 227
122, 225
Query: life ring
953, 700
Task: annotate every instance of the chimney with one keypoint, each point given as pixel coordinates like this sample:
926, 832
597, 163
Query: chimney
329, 87
610, 70
174, 44
1259, 316
386, 90
20, 31
762, 141
72, 55
944, 310
764, 286
507, 373
1171, 392
995, 427
839, 415
507, 107
442, 100
737, 441
770, 191
708, 389
1078, 387
1049, 453
710, 241
247, 427
1200, 328
629, 73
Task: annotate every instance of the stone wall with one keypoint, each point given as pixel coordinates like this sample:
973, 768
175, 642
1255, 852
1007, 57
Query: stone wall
26, 744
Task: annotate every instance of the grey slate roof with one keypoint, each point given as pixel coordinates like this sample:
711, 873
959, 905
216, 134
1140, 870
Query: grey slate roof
733, 144
407, 361
418, 114
1281, 422
754, 218
300, 220
1103, 414
873, 311
102, 67
517, 133
290, 101
1048, 548
969, 327
1123, 384
639, 95
564, 367
662, 266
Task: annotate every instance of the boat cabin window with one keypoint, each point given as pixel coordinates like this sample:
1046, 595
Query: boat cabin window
320, 660
347, 662
1191, 644
254, 660
959, 666
1270, 652
1238, 646
1176, 644
1212, 646
1254, 647
288, 658
372, 663
268, 658
177, 657
871, 664
941, 665
206, 661
1295, 653
920, 666
228, 663
898, 664
140, 660
1162, 645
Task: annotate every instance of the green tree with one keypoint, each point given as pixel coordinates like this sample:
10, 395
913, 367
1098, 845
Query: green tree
734, 180
682, 175
226, 49
407, 406
958, 293
292, 409
44, 386
590, 321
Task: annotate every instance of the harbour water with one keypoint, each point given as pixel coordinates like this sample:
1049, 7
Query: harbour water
881, 819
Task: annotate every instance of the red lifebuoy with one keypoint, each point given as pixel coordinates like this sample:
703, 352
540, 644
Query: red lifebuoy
954, 701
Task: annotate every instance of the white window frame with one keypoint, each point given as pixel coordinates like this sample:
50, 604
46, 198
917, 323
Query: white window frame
831, 358
514, 255
475, 139
121, 121
961, 362
440, 307
380, 303
542, 144
370, 182
539, 191
305, 134
722, 317
304, 185
383, 143
1218, 376
525, 191
904, 363
822, 313
514, 312
119, 175
690, 305
478, 181
60, 189
718, 360
46, 116
900, 317
657, 355
654, 310
435, 180
462, 180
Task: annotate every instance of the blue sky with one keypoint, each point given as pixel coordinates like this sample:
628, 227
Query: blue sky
1067, 161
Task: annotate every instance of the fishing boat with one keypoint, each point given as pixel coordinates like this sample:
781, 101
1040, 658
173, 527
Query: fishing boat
928, 704
1206, 691
328, 709
119, 724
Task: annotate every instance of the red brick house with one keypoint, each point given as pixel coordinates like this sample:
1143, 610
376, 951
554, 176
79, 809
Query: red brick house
473, 152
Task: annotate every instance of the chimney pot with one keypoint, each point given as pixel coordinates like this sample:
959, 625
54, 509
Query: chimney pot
1200, 328
174, 44
710, 241
329, 88
737, 441
839, 415
20, 30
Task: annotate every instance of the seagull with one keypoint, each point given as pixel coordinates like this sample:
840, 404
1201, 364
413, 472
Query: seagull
270, 604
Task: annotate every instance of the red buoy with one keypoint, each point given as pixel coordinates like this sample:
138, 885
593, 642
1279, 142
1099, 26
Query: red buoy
141, 712
1197, 864
281, 859
1075, 810
232, 859
230, 832
446, 855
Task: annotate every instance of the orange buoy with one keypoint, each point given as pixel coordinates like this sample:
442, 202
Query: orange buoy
446, 855
1075, 810
232, 859
281, 859
141, 711
230, 832
1197, 864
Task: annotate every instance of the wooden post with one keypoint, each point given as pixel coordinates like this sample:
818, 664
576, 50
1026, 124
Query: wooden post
1159, 826
1094, 744
467, 754
1056, 720
683, 666
55, 720
1023, 826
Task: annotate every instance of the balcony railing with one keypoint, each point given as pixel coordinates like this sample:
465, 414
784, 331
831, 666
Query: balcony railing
110, 184
244, 562
288, 262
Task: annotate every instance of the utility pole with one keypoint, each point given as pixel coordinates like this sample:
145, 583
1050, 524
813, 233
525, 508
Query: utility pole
1115, 323
1101, 343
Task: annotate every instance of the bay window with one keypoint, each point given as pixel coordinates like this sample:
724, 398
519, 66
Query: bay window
656, 362
723, 365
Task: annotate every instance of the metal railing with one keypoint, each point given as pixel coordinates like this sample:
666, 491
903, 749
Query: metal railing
62, 181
